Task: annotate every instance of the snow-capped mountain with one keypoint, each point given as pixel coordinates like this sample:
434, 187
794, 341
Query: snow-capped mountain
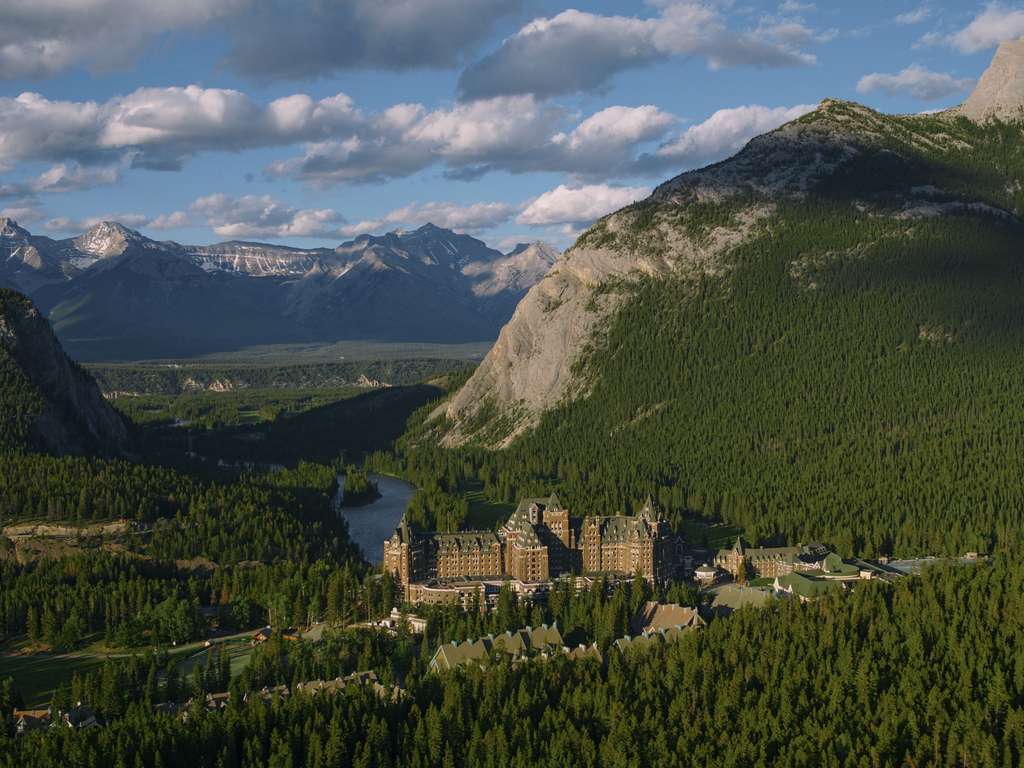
113, 293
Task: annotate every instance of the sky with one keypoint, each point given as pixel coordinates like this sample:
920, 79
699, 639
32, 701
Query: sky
306, 122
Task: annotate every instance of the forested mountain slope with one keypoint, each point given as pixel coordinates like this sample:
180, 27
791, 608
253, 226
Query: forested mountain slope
821, 337
47, 402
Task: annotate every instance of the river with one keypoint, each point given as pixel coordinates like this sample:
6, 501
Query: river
370, 525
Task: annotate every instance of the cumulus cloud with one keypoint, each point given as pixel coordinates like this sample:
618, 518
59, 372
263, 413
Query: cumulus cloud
159, 127
513, 133
721, 135
263, 216
269, 39
578, 205
91, 143
174, 220
991, 27
307, 38
39, 38
576, 51
916, 81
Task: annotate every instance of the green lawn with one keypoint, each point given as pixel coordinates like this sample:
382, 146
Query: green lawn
484, 514
37, 676
239, 652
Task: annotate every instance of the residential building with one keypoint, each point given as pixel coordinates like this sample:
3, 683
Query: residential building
28, 720
523, 643
653, 617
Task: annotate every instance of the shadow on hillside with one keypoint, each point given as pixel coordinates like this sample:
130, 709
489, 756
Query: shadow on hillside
349, 428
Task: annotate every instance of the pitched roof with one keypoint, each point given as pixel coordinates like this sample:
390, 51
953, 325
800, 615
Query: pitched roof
733, 597
805, 586
654, 616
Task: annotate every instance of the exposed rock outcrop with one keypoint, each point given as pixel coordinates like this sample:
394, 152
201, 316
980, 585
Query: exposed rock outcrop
72, 415
1000, 92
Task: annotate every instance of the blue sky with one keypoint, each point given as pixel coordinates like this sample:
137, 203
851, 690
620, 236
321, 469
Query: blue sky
305, 122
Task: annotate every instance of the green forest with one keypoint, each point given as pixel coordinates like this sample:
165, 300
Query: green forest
928, 672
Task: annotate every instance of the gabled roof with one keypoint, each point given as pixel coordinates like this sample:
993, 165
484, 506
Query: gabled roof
660, 616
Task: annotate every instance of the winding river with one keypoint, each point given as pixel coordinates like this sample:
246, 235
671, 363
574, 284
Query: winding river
370, 525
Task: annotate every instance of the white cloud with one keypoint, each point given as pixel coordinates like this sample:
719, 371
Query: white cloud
916, 16
91, 143
994, 25
271, 38
39, 38
174, 220
723, 134
577, 51
512, 133
262, 216
614, 128
916, 81
71, 176
578, 205
159, 127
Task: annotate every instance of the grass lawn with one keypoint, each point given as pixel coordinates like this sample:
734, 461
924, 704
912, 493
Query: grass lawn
37, 676
484, 514
239, 652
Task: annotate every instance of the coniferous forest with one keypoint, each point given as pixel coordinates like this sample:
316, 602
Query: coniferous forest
928, 672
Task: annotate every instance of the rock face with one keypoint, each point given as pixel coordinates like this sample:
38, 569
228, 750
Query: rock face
71, 415
1000, 92
532, 366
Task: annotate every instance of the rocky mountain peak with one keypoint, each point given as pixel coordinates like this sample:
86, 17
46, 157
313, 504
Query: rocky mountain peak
108, 238
1000, 91
10, 228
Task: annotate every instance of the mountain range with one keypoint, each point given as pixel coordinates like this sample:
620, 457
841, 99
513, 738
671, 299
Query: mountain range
112, 293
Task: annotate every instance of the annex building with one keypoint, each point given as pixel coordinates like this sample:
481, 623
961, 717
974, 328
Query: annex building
539, 542
770, 562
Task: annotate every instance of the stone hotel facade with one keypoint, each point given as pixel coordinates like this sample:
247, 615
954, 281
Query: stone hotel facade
539, 542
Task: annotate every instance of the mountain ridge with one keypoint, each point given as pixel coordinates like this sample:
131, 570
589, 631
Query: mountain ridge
691, 223
114, 293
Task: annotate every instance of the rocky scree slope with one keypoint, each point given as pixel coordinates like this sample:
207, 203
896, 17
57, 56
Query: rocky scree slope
47, 402
844, 157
